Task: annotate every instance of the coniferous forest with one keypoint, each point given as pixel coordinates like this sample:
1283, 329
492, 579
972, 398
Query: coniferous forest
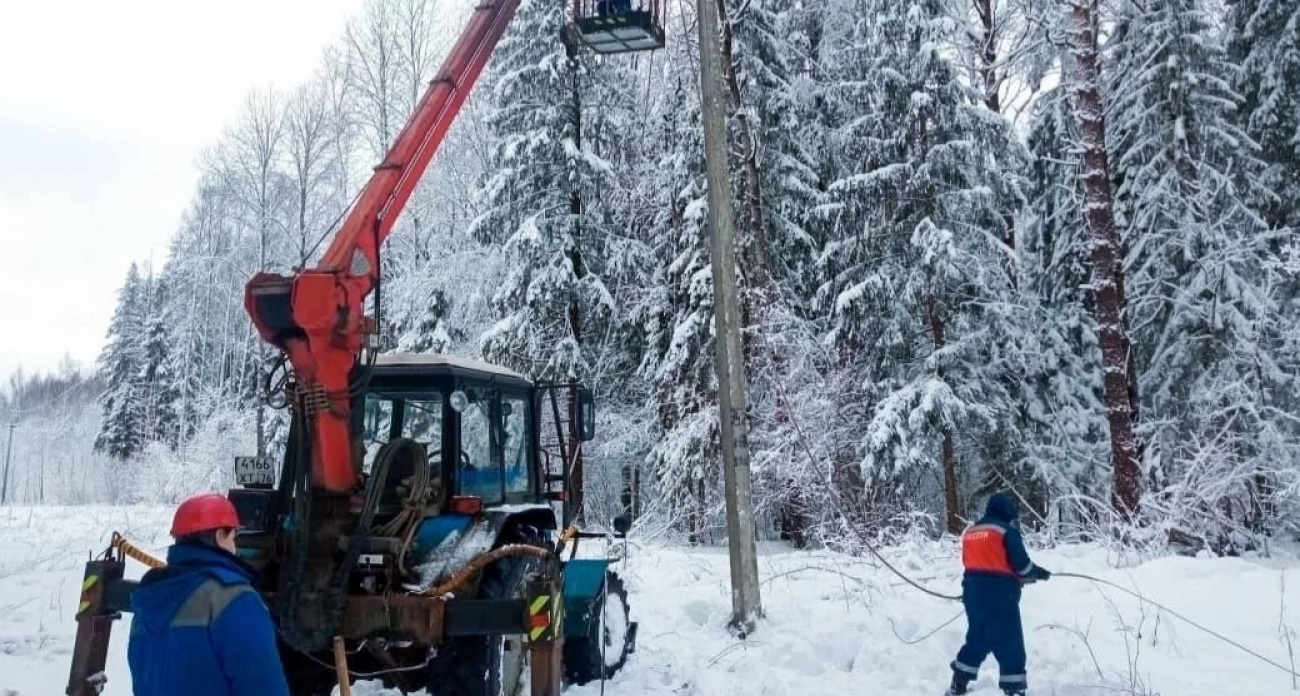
1045, 246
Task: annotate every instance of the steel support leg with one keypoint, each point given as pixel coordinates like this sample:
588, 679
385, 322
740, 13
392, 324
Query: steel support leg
94, 625
546, 636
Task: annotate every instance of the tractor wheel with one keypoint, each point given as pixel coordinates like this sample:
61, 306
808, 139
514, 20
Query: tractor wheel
486, 665
604, 650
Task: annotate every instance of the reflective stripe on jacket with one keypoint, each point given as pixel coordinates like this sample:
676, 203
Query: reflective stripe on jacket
200, 629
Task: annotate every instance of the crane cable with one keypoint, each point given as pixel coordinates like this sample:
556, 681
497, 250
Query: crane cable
1098, 581
1176, 615
899, 573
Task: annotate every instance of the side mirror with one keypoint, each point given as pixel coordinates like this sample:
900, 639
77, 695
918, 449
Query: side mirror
586, 415
622, 524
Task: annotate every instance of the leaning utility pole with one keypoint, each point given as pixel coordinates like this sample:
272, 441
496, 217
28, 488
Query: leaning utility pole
729, 363
9, 448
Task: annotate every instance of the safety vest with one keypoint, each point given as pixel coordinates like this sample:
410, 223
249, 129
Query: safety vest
983, 550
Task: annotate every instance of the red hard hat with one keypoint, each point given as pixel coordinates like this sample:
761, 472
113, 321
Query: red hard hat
202, 513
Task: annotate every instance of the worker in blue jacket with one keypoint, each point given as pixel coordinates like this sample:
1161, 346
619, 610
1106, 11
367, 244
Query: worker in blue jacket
199, 627
997, 564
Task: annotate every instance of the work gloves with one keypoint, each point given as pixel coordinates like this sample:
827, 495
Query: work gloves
1036, 574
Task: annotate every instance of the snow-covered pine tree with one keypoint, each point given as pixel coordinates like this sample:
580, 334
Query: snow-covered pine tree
159, 387
1263, 40
787, 90
121, 433
774, 135
542, 201
203, 304
923, 311
1201, 297
1064, 421
677, 316
428, 331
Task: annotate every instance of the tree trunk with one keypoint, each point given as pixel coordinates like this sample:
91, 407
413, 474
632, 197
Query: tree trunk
988, 55
754, 245
947, 455
988, 58
574, 252
794, 515
1120, 390
696, 519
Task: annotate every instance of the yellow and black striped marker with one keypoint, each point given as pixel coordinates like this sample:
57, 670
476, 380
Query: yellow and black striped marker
544, 617
87, 598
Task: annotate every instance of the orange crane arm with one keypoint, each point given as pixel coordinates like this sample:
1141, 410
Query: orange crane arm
315, 316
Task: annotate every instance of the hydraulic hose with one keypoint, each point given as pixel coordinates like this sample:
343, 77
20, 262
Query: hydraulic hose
482, 561
120, 543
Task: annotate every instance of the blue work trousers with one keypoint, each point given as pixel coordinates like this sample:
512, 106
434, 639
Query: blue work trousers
993, 626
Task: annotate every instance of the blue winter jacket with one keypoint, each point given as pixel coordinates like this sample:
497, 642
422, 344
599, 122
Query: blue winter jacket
1002, 513
200, 629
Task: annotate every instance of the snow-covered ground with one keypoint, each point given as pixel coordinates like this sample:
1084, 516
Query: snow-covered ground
834, 625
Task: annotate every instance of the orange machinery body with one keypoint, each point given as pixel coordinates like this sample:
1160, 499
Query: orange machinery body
316, 316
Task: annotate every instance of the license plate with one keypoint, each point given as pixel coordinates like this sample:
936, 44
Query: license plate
254, 471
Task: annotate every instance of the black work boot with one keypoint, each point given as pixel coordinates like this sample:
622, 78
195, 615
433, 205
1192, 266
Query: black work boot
960, 683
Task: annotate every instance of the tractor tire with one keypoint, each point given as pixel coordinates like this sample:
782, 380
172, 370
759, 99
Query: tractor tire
486, 665
305, 676
604, 650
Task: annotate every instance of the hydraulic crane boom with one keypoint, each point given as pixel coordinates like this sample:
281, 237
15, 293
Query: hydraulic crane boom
315, 316
399, 568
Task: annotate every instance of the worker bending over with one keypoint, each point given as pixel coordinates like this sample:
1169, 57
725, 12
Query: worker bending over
997, 564
199, 628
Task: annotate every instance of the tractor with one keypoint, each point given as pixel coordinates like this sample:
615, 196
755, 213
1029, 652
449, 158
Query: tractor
457, 545
416, 531
465, 500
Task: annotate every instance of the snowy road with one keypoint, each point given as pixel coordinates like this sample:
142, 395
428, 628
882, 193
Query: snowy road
834, 625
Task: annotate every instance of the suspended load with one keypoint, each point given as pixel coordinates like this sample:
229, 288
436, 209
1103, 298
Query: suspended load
619, 26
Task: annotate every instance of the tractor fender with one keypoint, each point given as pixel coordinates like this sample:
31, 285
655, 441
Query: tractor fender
584, 580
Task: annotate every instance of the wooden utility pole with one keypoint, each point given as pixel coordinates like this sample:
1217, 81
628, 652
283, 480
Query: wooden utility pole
9, 448
746, 608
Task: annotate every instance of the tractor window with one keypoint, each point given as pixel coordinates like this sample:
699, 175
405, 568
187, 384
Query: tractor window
422, 422
514, 419
480, 467
417, 418
377, 423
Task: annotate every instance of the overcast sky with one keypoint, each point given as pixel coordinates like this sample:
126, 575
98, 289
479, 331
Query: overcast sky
104, 108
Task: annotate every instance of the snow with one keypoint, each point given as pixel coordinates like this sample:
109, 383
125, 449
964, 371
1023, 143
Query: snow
834, 624
43, 551
443, 360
